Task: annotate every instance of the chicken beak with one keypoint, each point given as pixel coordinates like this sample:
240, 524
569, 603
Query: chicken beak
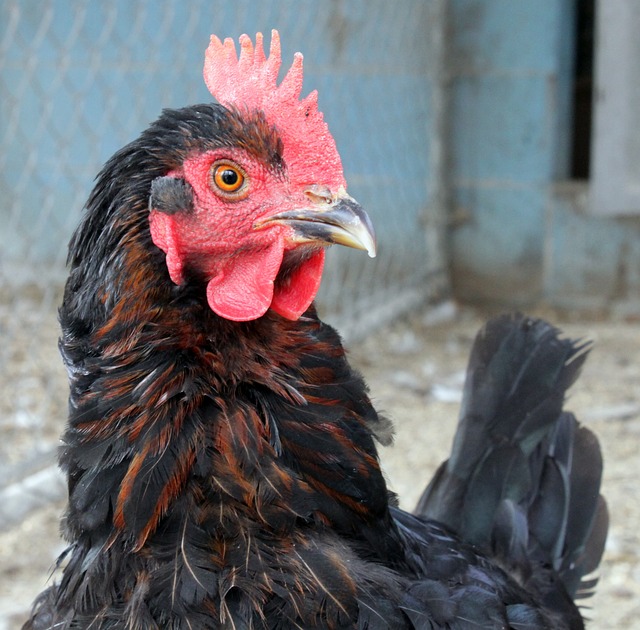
330, 219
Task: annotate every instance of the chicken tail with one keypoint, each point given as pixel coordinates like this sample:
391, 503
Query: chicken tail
523, 479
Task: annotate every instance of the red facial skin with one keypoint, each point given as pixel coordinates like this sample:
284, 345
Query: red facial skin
219, 240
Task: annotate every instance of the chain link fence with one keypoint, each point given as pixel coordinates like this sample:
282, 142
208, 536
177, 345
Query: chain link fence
79, 79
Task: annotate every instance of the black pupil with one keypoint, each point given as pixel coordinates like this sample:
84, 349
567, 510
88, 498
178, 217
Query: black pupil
229, 177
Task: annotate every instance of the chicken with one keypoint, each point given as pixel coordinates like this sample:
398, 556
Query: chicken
220, 450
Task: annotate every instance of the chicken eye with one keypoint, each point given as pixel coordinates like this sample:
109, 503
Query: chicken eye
228, 178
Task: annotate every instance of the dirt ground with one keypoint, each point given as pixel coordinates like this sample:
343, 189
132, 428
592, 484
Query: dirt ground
415, 370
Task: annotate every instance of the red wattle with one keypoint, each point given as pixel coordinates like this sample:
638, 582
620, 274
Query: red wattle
294, 298
243, 289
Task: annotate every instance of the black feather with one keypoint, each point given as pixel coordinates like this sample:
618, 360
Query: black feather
523, 479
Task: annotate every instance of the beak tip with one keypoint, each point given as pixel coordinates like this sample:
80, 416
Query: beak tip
370, 246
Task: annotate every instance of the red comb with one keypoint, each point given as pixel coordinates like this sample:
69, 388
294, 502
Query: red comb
250, 82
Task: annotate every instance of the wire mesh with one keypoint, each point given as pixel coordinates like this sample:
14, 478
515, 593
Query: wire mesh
79, 79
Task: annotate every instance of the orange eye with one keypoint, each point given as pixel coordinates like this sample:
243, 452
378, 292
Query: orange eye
228, 178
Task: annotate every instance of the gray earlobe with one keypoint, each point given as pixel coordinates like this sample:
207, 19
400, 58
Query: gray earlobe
171, 195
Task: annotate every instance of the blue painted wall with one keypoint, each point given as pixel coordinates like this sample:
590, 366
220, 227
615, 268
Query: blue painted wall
519, 235
511, 64
591, 262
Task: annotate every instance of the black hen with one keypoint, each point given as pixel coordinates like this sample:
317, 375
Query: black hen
220, 450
